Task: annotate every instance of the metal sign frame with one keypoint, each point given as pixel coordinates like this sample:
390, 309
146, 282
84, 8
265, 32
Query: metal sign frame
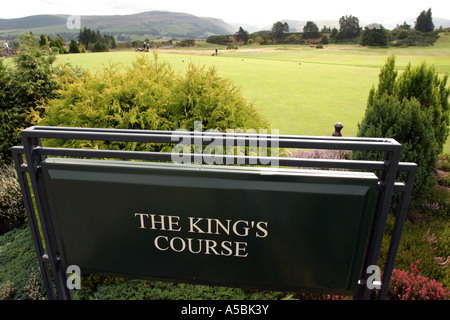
28, 157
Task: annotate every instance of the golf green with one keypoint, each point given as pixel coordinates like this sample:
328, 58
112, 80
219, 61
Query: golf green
299, 89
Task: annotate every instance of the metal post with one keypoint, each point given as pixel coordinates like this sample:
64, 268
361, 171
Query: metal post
22, 169
337, 130
398, 227
387, 182
33, 159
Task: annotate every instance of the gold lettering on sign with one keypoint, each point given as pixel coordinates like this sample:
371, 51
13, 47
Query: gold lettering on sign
203, 227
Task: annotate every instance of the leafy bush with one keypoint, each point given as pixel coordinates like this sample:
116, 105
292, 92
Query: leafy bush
186, 43
410, 37
9, 115
431, 91
403, 34
7, 290
374, 37
149, 95
98, 47
29, 82
12, 210
217, 39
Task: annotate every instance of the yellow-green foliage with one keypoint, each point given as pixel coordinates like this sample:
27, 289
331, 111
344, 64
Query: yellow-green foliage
148, 95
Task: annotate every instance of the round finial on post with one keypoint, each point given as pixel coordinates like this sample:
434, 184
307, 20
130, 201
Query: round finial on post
337, 130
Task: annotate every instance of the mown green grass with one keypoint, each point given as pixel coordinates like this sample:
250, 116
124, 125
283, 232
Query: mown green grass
299, 89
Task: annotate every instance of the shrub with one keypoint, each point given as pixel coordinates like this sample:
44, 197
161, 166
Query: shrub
324, 39
292, 38
374, 37
216, 39
403, 34
411, 285
7, 290
12, 210
9, 115
149, 95
412, 109
403, 121
98, 47
73, 47
33, 287
24, 85
186, 43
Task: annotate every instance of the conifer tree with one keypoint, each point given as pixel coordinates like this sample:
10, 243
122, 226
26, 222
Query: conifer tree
413, 109
424, 22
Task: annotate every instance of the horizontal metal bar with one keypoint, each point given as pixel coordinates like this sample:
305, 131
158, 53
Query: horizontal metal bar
18, 151
407, 166
161, 156
224, 159
400, 186
212, 133
205, 138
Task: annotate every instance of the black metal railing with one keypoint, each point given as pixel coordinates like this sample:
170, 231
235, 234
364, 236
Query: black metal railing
29, 156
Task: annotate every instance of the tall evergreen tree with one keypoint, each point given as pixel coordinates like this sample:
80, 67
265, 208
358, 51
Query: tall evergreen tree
424, 22
241, 35
413, 109
25, 83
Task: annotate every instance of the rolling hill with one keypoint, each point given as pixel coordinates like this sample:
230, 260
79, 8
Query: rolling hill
151, 24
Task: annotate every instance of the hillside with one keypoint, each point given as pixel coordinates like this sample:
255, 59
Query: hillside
152, 24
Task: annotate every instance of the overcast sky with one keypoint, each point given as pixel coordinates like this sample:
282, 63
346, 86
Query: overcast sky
233, 11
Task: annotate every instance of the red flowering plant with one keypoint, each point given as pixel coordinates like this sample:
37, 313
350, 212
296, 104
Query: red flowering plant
411, 285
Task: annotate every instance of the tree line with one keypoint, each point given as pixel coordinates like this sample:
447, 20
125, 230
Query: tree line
349, 31
95, 41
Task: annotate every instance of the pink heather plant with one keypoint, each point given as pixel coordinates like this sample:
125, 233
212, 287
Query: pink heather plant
319, 154
411, 285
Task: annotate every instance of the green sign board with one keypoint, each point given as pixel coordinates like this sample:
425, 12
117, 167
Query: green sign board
225, 225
